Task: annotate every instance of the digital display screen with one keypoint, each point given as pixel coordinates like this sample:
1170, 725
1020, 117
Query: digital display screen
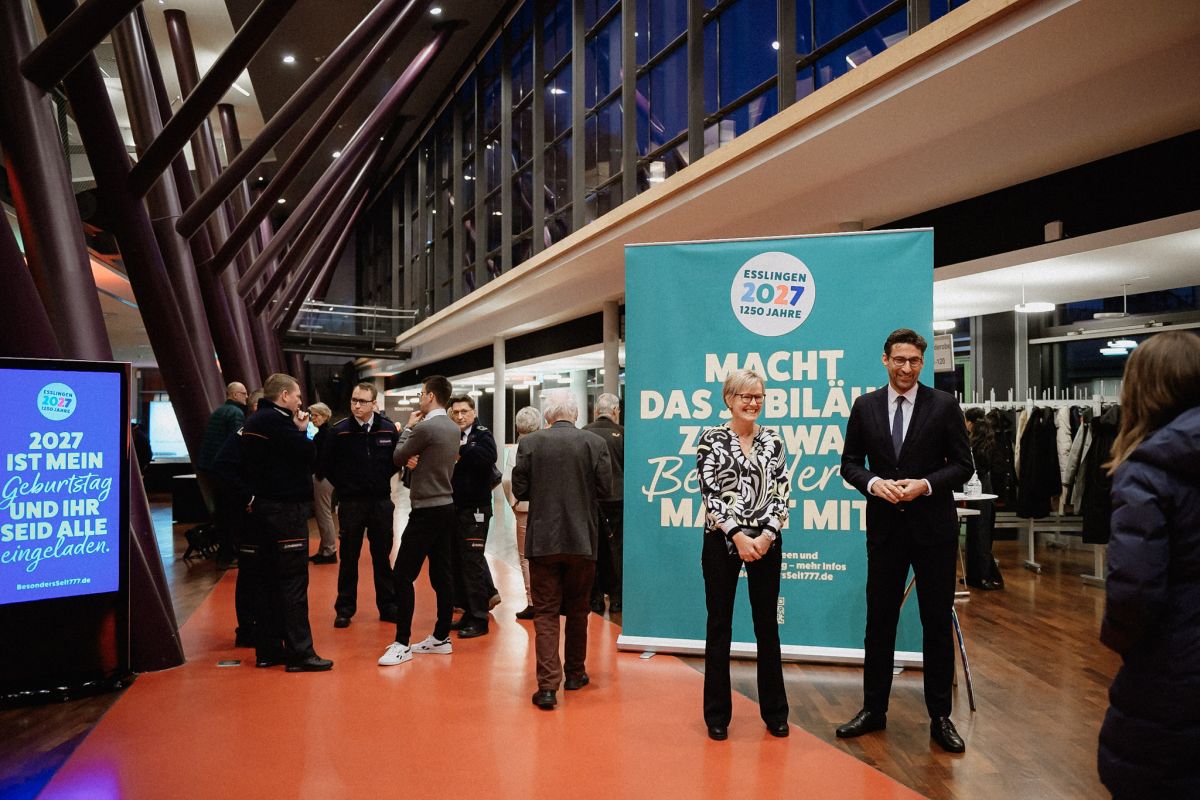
166, 439
61, 486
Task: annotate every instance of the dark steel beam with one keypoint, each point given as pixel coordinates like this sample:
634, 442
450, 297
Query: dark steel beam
208, 92
25, 328
204, 152
70, 42
105, 147
45, 204
353, 155
187, 287
287, 172
287, 116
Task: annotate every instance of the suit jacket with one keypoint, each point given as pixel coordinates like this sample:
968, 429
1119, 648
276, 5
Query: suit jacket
935, 448
613, 435
562, 471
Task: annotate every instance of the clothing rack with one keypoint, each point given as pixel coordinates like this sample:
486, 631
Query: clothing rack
1053, 398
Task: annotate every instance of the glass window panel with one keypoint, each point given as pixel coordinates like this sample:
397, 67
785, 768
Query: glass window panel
603, 64
521, 23
668, 97
593, 10
558, 103
939, 8
521, 200
490, 64
522, 143
495, 221
858, 50
805, 83
603, 131
556, 31
469, 183
711, 82
466, 102
641, 32
747, 29
803, 27
558, 226
491, 105
522, 249
468, 265
491, 160
666, 20
558, 174
602, 201
833, 18
522, 72
642, 123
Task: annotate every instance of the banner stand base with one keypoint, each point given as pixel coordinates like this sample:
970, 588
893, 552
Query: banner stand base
61, 694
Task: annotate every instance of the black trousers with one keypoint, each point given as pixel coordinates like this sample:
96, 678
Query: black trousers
281, 534
720, 587
560, 583
611, 547
375, 517
888, 560
228, 512
473, 585
429, 534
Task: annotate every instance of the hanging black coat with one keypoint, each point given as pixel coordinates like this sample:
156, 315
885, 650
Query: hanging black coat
1040, 479
1097, 503
1004, 475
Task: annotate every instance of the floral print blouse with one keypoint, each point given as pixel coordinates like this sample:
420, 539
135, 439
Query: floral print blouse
741, 491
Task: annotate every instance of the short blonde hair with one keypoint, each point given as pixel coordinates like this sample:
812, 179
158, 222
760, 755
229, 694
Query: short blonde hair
739, 381
320, 410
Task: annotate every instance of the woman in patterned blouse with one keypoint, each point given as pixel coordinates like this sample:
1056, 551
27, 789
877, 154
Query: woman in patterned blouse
744, 484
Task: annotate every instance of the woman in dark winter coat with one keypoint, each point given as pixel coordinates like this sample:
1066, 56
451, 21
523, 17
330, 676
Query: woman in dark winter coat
1150, 740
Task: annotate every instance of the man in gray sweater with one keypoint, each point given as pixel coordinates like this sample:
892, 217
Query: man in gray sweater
431, 438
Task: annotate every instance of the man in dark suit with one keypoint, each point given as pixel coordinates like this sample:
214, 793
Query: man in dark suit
474, 589
608, 564
906, 449
562, 471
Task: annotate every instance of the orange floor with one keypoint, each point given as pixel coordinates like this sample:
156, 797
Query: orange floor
439, 726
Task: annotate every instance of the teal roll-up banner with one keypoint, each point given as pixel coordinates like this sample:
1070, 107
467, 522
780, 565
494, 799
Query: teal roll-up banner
811, 314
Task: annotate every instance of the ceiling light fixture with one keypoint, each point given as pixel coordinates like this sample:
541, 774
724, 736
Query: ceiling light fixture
281, 201
1032, 307
337, 153
1126, 344
289, 59
943, 325
436, 11
240, 89
556, 90
774, 45
1113, 351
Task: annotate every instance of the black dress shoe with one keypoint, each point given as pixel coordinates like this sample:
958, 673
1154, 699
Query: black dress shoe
341, 622
545, 700
263, 662
864, 722
525, 613
597, 605
780, 729
313, 663
571, 684
323, 558
985, 586
472, 631
942, 731
718, 733
460, 623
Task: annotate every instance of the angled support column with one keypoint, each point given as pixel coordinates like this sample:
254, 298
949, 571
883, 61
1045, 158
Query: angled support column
287, 116
204, 151
50, 226
353, 155
77, 37
313, 138
25, 328
208, 92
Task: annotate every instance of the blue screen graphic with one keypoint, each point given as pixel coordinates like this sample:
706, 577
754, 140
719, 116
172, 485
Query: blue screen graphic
60, 484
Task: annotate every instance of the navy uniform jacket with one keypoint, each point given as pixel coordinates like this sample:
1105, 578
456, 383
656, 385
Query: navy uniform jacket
276, 456
935, 448
613, 435
472, 478
359, 464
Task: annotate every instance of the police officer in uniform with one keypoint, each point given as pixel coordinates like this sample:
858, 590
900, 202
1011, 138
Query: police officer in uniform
277, 459
356, 456
474, 589
607, 426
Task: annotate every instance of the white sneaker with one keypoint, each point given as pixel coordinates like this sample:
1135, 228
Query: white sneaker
432, 645
396, 653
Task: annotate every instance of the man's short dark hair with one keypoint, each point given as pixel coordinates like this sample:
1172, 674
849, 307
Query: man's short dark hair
367, 387
904, 336
441, 389
462, 398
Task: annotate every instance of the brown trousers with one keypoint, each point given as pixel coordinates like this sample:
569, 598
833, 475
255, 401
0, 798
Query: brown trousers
560, 582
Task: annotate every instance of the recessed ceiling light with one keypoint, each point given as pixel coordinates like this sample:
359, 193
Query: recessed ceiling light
556, 90
943, 325
436, 11
281, 201
240, 89
337, 153
289, 59
774, 45
1033, 307
1113, 351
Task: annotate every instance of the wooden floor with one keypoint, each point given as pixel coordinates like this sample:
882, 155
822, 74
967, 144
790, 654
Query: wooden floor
1040, 684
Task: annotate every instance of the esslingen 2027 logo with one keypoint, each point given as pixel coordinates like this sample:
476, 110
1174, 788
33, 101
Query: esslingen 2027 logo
772, 294
56, 401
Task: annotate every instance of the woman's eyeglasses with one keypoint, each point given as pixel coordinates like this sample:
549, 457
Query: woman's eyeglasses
751, 399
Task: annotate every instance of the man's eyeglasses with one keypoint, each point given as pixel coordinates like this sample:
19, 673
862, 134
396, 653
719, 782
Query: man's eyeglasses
356, 401
751, 399
915, 362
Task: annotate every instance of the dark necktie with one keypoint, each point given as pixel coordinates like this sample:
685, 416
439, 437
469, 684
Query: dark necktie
898, 426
